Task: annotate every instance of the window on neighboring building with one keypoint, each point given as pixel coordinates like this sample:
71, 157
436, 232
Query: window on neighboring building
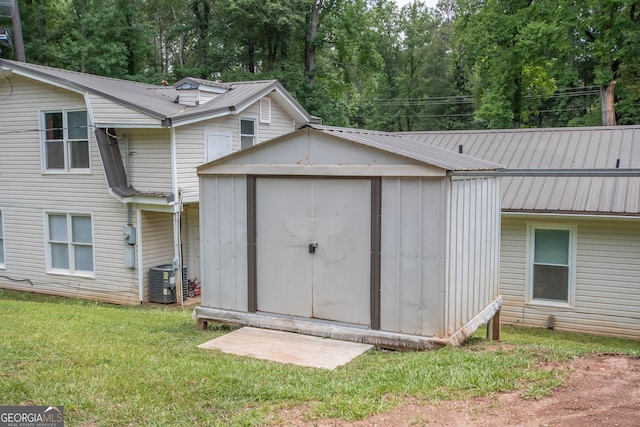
1, 240
247, 133
70, 243
552, 254
66, 141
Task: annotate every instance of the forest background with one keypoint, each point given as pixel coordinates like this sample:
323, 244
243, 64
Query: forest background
375, 64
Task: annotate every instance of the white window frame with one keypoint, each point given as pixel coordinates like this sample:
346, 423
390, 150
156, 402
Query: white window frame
66, 141
255, 130
71, 270
531, 229
3, 259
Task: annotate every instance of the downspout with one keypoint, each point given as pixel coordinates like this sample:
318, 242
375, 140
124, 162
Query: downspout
177, 207
139, 249
126, 173
139, 261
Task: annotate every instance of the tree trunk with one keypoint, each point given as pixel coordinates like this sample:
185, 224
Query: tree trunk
18, 42
313, 21
607, 105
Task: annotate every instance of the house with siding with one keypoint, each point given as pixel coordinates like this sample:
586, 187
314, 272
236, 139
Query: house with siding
570, 237
98, 177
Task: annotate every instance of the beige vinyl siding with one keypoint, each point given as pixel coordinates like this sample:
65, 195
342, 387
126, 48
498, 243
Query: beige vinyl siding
27, 194
190, 141
157, 243
607, 290
109, 113
150, 158
472, 249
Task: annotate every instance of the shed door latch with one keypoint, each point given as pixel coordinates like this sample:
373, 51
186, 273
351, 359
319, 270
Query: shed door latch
312, 247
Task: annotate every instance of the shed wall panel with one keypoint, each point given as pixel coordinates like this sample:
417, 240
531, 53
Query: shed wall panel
412, 255
472, 249
224, 242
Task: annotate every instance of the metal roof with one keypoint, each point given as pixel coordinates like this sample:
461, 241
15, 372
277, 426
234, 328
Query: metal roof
160, 101
407, 147
549, 156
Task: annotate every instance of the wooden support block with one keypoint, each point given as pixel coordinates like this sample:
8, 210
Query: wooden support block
495, 326
201, 324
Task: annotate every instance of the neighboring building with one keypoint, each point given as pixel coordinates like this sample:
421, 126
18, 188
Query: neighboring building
570, 246
351, 234
98, 176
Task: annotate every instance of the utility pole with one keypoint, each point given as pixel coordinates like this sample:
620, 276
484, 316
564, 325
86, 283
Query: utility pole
18, 43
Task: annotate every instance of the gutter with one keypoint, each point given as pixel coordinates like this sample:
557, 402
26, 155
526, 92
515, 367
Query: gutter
601, 172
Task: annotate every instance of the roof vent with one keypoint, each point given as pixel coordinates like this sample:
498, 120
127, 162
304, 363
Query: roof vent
265, 110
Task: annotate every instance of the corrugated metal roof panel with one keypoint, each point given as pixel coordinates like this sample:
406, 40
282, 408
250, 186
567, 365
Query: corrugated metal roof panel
560, 148
394, 143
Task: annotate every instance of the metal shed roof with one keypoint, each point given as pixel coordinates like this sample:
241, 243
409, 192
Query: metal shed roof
544, 153
407, 147
160, 101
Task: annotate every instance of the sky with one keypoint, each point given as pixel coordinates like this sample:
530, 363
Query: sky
430, 3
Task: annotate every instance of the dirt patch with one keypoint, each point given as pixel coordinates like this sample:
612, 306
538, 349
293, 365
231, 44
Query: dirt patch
601, 391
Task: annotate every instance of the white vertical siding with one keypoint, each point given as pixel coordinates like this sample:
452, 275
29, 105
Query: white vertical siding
412, 260
472, 249
224, 242
607, 290
27, 194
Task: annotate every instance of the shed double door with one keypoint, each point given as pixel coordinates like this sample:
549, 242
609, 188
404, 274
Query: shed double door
313, 248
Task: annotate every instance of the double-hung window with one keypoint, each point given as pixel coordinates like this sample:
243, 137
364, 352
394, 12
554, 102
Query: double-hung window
248, 132
70, 243
1, 241
551, 264
66, 141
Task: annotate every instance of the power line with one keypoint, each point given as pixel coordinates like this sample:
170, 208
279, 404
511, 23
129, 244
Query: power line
467, 99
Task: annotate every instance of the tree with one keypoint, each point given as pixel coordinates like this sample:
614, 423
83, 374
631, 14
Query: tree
506, 45
606, 38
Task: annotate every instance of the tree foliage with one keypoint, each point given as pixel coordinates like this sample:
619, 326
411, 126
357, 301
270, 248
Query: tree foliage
369, 63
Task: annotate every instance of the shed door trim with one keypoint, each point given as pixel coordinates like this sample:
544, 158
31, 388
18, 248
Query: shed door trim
376, 233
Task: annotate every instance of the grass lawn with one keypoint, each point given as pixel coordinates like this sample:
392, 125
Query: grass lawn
117, 366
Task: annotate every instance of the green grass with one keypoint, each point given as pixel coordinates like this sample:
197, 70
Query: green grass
110, 365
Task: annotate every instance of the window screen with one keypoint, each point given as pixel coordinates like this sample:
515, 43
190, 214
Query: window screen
551, 264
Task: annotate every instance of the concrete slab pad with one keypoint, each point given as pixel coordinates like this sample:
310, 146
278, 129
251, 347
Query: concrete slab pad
287, 347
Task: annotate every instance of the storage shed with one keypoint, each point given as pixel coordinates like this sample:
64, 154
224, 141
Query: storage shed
351, 234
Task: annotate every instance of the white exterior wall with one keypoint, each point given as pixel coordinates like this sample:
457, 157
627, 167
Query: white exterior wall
27, 194
111, 114
157, 243
150, 159
224, 242
190, 148
472, 247
607, 291
412, 260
